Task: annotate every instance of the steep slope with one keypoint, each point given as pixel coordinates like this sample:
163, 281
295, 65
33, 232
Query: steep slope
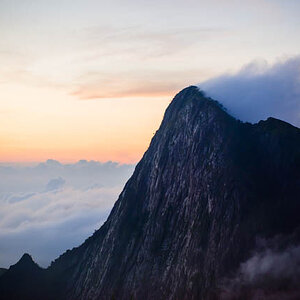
207, 190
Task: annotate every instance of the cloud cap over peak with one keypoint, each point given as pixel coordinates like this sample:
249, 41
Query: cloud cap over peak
260, 90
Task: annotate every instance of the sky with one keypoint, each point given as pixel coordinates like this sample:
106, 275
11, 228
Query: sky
84, 85
91, 79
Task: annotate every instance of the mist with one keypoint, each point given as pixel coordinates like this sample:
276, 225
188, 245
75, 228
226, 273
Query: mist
272, 272
260, 90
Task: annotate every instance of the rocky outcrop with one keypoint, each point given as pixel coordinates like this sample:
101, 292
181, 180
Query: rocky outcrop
206, 193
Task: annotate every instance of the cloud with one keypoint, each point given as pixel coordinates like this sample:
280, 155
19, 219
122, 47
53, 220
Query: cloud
140, 83
55, 184
271, 273
119, 88
51, 207
260, 90
125, 61
129, 61
147, 42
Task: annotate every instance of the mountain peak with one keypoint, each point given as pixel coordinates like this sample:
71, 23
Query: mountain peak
25, 280
191, 107
188, 95
25, 263
26, 259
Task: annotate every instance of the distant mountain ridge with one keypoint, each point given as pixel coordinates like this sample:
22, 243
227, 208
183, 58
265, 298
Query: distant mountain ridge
209, 196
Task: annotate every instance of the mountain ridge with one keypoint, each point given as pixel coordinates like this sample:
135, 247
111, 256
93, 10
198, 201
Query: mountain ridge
206, 184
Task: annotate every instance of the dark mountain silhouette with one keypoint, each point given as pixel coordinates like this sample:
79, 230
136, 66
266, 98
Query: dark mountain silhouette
2, 271
211, 212
19, 281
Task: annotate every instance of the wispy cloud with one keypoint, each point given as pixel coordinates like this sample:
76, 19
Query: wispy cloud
146, 42
260, 90
271, 273
107, 61
144, 83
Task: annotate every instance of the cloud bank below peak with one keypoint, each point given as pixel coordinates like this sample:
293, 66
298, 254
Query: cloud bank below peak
50, 207
260, 90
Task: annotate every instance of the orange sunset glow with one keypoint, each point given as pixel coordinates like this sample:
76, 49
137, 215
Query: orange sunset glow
69, 130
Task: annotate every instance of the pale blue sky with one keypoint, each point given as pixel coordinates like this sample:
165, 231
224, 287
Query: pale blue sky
65, 41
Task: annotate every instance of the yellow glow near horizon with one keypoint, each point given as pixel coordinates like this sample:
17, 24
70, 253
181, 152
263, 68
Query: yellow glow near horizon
53, 124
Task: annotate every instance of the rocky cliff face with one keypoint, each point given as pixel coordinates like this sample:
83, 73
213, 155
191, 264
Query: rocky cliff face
210, 193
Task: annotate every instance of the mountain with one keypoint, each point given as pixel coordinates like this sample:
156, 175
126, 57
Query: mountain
2, 271
18, 281
210, 212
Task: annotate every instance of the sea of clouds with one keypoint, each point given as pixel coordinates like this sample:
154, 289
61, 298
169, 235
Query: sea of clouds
50, 207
